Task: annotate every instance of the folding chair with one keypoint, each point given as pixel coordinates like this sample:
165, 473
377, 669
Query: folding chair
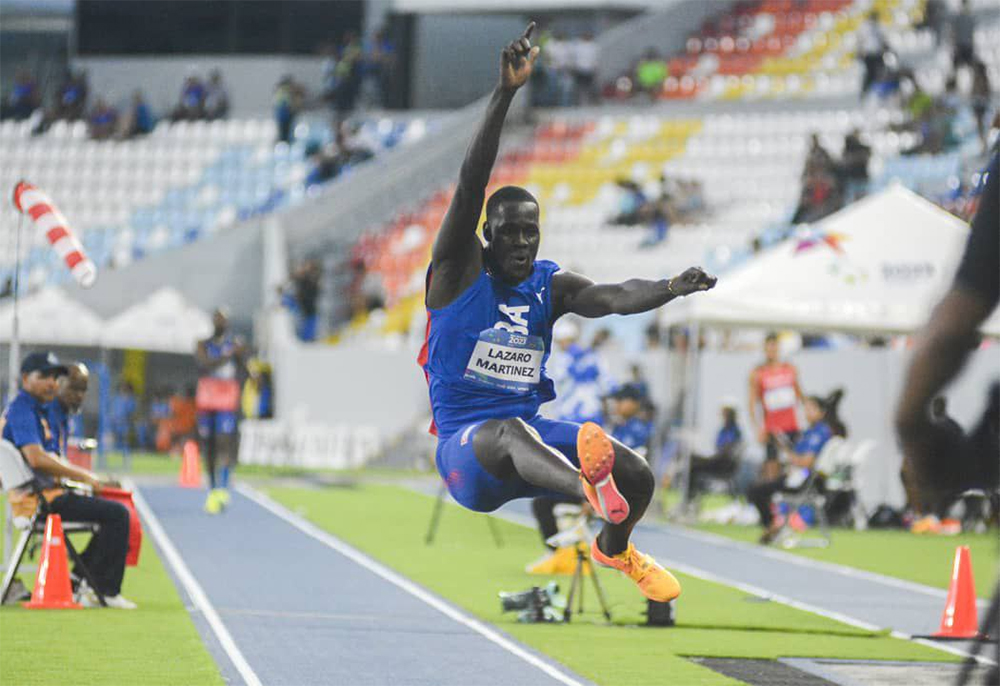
16, 475
809, 493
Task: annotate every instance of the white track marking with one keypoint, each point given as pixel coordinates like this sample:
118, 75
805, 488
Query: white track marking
816, 564
403, 583
194, 589
750, 589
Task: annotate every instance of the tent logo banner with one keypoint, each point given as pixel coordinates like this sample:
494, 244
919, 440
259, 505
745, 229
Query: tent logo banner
908, 272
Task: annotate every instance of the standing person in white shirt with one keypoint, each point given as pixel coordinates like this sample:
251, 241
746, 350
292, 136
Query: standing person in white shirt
585, 53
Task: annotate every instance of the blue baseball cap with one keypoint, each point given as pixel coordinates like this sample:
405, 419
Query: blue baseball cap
45, 362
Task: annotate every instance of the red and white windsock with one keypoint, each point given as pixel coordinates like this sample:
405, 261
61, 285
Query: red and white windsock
35, 203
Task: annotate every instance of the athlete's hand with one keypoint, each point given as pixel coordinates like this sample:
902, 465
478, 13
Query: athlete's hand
691, 281
517, 60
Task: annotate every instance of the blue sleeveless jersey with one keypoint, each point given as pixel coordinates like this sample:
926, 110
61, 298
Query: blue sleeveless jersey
218, 349
484, 354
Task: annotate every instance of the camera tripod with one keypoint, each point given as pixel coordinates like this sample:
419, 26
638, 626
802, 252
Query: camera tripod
579, 537
576, 585
436, 519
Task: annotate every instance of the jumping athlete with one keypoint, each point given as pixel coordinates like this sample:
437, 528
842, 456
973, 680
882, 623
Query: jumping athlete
490, 314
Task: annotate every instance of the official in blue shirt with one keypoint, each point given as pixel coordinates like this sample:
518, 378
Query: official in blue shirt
28, 425
802, 456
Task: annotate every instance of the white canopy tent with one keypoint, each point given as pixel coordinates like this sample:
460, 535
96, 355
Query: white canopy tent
51, 317
163, 322
876, 267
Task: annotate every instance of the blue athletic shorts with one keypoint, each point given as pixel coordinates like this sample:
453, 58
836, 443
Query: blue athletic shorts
475, 488
219, 423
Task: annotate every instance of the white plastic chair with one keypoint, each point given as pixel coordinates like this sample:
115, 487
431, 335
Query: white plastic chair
17, 475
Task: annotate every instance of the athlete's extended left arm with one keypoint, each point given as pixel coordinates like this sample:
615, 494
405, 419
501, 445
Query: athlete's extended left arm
577, 294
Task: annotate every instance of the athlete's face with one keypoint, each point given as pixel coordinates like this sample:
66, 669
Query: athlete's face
771, 350
513, 235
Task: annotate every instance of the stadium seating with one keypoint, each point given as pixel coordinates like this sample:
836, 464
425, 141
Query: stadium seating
186, 180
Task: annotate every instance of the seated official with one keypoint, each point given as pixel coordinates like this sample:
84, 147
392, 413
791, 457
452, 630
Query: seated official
728, 446
27, 423
801, 460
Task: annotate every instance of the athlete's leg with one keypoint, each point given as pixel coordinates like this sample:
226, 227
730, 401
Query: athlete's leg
226, 445
505, 447
206, 434
636, 483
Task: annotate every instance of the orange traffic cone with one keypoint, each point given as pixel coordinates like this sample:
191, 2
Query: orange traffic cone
52, 587
190, 465
960, 619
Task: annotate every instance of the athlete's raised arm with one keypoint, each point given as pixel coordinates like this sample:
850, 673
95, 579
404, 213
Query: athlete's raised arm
457, 256
576, 294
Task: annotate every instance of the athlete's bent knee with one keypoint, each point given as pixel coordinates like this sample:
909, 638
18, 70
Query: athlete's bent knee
633, 472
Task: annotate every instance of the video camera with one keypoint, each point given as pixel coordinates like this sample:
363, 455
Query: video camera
536, 604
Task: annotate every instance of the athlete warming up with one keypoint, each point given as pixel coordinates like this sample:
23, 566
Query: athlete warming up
490, 314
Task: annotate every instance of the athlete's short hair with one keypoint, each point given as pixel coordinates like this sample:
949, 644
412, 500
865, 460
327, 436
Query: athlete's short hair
508, 194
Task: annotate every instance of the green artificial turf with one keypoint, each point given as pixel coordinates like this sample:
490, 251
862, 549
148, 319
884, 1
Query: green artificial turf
923, 559
155, 644
464, 566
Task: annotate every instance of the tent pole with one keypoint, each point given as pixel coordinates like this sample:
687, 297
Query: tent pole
691, 379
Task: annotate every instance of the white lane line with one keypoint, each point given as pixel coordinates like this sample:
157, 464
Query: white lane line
791, 558
403, 583
778, 598
193, 588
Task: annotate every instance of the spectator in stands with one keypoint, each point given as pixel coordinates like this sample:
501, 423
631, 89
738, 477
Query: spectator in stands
138, 120
801, 459
854, 167
216, 103
871, 46
774, 397
819, 196
722, 464
70, 101
935, 16
305, 286
650, 73
963, 30
818, 157
191, 105
378, 60
24, 97
26, 424
349, 74
980, 97
585, 55
120, 415
103, 120
288, 99
631, 203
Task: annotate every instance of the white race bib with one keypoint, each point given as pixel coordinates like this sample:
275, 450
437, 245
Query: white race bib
506, 360
779, 398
